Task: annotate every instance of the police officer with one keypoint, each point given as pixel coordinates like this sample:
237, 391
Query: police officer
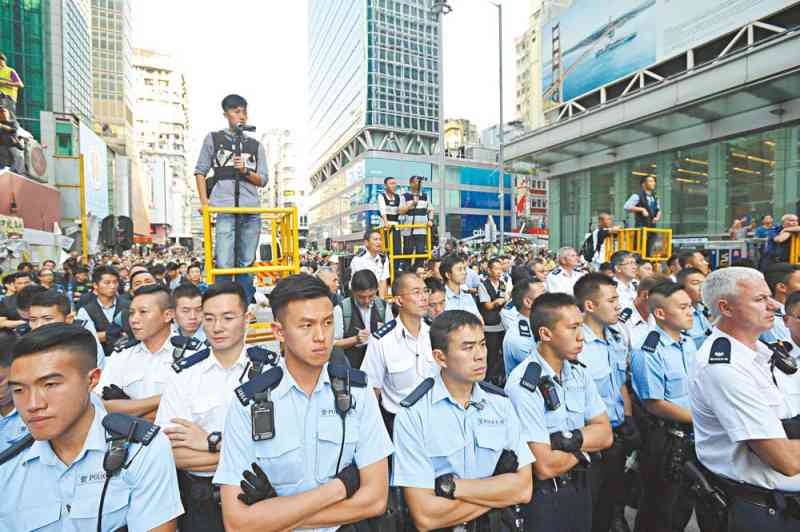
691, 280
56, 483
399, 354
563, 278
492, 299
782, 279
451, 433
436, 298
53, 307
187, 300
196, 397
605, 354
135, 376
325, 461
562, 417
742, 419
454, 271
12, 428
660, 373
104, 307
370, 258
518, 340
636, 321
624, 265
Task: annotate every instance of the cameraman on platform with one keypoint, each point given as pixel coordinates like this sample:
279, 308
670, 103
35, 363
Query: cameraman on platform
234, 183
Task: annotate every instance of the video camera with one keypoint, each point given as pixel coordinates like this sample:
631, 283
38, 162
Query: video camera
241, 128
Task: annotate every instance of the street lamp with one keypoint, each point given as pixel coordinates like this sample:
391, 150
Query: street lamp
441, 7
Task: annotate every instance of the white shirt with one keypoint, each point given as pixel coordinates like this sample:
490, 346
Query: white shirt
378, 264
396, 362
559, 280
636, 328
137, 371
627, 293
201, 394
732, 403
338, 318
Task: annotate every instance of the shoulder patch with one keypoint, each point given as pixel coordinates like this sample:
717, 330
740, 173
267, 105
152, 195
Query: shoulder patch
706, 312
556, 271
651, 342
125, 343
524, 329
356, 377
626, 314
80, 323
188, 362
386, 329
138, 429
533, 374
510, 305
488, 387
263, 382
16, 449
720, 352
361, 253
262, 355
418, 393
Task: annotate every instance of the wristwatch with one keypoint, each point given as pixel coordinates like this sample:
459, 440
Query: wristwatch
214, 439
445, 486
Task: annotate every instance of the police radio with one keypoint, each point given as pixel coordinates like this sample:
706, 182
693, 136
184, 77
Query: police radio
342, 399
550, 394
781, 359
182, 344
262, 416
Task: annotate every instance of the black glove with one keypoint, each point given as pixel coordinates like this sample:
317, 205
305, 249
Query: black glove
255, 487
351, 479
630, 434
567, 441
792, 427
507, 463
113, 392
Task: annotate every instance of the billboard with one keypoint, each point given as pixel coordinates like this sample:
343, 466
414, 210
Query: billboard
95, 172
600, 42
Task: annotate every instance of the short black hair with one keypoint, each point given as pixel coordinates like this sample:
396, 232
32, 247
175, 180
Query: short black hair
448, 262
27, 294
619, 257
519, 273
22, 265
188, 269
150, 289
434, 285
682, 275
778, 273
52, 298
20, 275
299, 287
743, 262
369, 231
219, 289
71, 338
685, 255
545, 311
450, 321
792, 300
7, 341
363, 280
100, 271
79, 269
186, 290
10, 278
661, 291
232, 101
400, 280
672, 259
157, 269
171, 266
605, 267
386, 179
588, 286
139, 272
520, 290
645, 178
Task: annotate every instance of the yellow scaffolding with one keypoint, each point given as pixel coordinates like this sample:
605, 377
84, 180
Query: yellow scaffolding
285, 232
388, 240
636, 241
794, 249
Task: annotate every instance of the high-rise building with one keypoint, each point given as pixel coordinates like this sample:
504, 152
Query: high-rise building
160, 134
112, 72
374, 112
285, 188
70, 66
529, 69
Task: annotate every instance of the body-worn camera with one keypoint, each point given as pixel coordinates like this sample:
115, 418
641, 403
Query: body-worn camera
550, 394
262, 416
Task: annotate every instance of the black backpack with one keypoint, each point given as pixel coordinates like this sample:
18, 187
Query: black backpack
588, 248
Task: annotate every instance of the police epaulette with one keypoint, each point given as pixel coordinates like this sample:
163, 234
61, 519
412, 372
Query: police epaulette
362, 252
530, 379
137, 429
80, 323
706, 312
188, 362
418, 393
263, 382
556, 271
125, 344
16, 449
615, 333
625, 315
263, 355
524, 328
383, 331
651, 342
720, 352
428, 320
488, 387
510, 305
356, 377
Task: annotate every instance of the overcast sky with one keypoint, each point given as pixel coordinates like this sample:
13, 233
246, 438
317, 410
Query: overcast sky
258, 48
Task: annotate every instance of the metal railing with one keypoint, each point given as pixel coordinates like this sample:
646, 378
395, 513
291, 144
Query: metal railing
388, 239
652, 244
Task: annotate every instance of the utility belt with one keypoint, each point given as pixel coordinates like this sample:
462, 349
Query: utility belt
577, 477
669, 447
682, 431
393, 520
198, 489
495, 520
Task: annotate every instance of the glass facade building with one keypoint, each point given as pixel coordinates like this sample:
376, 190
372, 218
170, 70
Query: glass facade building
702, 189
72, 58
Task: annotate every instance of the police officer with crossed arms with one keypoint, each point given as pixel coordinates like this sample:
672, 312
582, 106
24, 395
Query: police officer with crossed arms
459, 455
746, 429
304, 443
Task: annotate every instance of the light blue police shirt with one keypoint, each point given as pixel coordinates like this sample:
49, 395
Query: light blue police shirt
308, 432
607, 363
664, 374
43, 494
517, 344
12, 429
509, 316
437, 435
577, 394
460, 301
700, 326
199, 334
